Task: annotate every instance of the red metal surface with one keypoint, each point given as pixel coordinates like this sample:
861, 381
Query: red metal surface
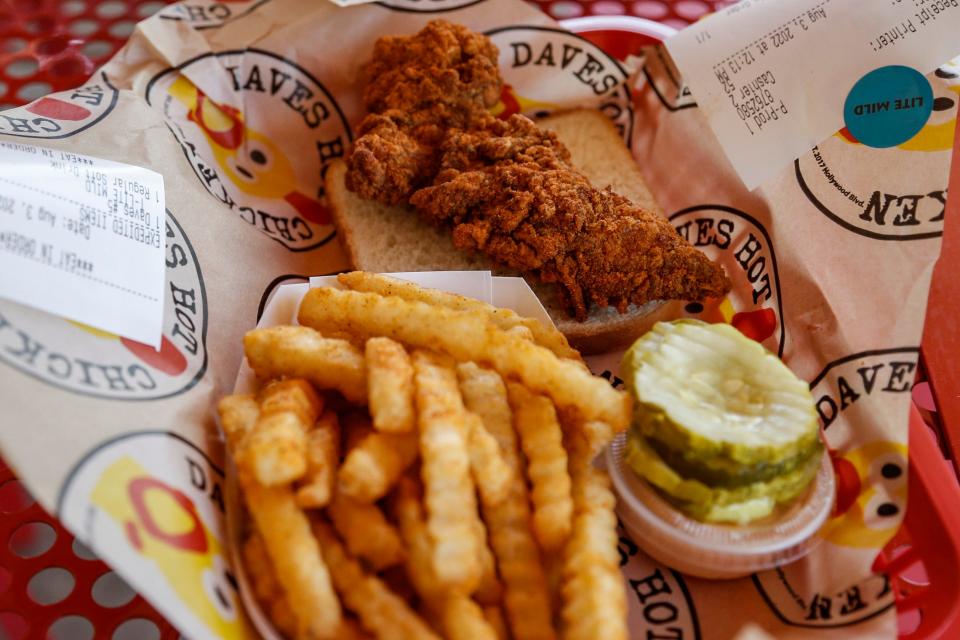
52, 587
922, 559
674, 13
941, 337
50, 45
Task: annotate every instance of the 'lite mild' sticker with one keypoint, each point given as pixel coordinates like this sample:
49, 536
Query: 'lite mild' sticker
888, 106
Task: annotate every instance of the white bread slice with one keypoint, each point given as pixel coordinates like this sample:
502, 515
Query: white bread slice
387, 239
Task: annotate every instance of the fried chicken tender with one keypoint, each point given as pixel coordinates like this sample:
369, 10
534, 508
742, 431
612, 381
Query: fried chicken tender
507, 188
509, 191
419, 87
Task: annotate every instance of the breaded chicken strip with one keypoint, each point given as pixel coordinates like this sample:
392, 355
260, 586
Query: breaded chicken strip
419, 87
509, 191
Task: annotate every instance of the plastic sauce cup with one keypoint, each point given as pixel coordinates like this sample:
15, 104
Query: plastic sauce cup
718, 551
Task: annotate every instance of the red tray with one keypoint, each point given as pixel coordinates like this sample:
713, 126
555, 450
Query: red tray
54, 45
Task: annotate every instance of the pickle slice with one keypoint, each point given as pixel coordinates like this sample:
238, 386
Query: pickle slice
720, 471
716, 504
648, 465
740, 512
718, 399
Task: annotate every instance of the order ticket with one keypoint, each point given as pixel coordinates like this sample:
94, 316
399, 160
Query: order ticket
83, 238
773, 76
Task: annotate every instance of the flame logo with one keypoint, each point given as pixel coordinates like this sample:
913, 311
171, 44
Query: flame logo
512, 102
758, 324
163, 525
871, 491
50, 107
248, 158
169, 359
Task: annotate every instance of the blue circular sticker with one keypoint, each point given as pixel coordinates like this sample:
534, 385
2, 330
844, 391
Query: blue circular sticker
888, 106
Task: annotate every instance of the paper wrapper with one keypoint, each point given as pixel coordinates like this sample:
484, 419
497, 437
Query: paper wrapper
831, 264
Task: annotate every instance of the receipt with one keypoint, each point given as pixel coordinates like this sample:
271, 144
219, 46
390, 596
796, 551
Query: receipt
83, 238
772, 76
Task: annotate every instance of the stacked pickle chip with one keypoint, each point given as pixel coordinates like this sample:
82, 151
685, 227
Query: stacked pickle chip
721, 426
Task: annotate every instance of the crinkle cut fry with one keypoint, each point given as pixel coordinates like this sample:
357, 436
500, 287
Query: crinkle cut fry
491, 472
257, 563
301, 352
291, 395
525, 598
390, 386
366, 532
268, 592
536, 422
373, 466
445, 468
275, 450
238, 413
485, 394
506, 319
460, 617
594, 598
379, 609
489, 590
298, 565
467, 338
595, 434
323, 457
408, 513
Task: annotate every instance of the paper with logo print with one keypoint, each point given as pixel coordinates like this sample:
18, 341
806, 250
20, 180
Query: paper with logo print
128, 498
773, 78
243, 105
83, 236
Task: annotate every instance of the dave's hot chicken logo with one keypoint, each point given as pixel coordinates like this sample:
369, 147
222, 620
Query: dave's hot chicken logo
263, 146
152, 505
860, 400
659, 603
556, 68
866, 388
86, 360
741, 244
797, 599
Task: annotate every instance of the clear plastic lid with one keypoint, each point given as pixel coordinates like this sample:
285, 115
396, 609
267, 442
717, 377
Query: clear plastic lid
718, 550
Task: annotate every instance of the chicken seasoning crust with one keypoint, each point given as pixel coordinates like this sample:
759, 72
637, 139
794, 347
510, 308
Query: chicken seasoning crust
506, 187
418, 89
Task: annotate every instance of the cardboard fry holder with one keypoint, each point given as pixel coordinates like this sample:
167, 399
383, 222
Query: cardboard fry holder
831, 263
